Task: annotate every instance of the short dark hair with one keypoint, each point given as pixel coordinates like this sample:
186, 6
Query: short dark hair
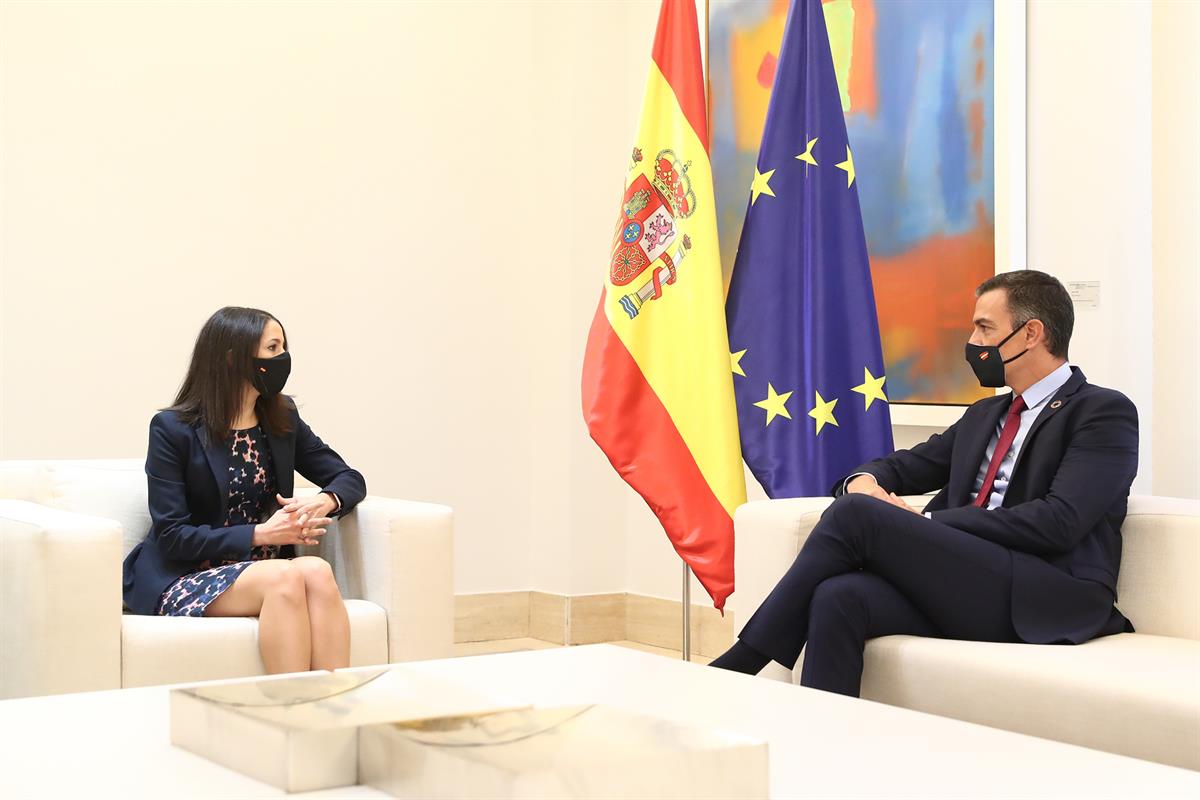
1036, 295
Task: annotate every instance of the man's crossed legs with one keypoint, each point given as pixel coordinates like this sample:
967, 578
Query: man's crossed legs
872, 569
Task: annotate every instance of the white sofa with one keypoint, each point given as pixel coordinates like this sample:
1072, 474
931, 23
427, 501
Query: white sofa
1137, 694
66, 526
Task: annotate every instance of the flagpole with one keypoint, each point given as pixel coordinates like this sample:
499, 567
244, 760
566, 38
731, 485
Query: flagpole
687, 612
687, 572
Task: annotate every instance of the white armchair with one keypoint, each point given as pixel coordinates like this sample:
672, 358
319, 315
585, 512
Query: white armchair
1137, 694
66, 526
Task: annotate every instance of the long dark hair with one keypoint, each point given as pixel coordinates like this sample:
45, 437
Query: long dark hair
222, 364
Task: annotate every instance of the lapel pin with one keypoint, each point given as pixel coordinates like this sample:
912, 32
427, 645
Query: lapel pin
1056, 404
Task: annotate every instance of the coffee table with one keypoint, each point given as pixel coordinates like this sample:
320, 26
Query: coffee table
821, 745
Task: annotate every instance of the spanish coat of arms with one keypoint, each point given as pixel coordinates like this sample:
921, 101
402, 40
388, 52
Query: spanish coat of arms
648, 235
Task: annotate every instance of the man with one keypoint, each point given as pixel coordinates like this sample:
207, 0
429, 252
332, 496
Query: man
1021, 544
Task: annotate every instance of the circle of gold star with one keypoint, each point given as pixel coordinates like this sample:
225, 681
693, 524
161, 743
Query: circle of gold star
774, 404
761, 185
823, 413
848, 165
807, 156
871, 388
735, 361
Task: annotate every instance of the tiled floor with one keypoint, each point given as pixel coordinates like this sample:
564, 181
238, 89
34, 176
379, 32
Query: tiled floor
512, 645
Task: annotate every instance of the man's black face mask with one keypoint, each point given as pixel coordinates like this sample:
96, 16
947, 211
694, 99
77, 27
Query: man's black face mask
987, 362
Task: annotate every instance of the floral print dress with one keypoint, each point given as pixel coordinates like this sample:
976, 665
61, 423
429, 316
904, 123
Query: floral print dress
251, 500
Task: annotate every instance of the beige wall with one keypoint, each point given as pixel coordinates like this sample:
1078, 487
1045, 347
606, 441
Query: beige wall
419, 191
1089, 185
1114, 176
1176, 247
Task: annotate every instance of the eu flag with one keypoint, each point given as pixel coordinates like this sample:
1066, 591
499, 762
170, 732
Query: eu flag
803, 335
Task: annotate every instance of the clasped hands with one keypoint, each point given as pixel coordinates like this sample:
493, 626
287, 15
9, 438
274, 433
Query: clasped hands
299, 520
866, 484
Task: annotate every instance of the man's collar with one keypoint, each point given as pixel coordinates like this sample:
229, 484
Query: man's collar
1036, 395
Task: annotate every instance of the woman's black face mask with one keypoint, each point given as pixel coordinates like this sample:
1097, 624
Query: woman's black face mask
271, 374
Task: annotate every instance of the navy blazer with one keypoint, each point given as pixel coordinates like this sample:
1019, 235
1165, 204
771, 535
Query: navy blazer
1063, 508
188, 482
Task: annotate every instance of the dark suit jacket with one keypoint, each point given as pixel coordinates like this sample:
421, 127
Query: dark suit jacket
1062, 512
188, 481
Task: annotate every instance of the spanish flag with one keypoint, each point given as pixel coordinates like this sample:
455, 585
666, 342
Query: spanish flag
657, 375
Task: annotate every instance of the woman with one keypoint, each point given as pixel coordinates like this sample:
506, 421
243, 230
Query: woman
224, 525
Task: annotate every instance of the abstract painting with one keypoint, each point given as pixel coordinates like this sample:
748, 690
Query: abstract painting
916, 81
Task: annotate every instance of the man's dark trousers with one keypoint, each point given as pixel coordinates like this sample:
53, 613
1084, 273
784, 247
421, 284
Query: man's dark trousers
872, 569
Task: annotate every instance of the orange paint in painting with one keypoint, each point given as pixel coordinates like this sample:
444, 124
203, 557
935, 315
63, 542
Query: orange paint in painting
975, 123
766, 71
749, 66
754, 58
924, 324
864, 96
979, 72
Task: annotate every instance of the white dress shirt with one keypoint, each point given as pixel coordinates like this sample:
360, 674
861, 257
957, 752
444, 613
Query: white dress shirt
1036, 398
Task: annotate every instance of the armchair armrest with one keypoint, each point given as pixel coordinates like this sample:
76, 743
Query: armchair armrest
399, 554
60, 601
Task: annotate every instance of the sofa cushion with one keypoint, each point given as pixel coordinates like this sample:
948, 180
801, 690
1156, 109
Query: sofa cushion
158, 650
1159, 585
1133, 694
110, 488
25, 480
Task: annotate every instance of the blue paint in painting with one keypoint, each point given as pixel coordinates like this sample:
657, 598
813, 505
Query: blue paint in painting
952, 140
920, 175
913, 156
903, 379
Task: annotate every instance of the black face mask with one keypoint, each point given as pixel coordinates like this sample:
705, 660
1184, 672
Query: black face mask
987, 362
270, 374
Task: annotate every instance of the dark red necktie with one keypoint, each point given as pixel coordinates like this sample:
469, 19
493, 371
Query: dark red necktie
1012, 424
